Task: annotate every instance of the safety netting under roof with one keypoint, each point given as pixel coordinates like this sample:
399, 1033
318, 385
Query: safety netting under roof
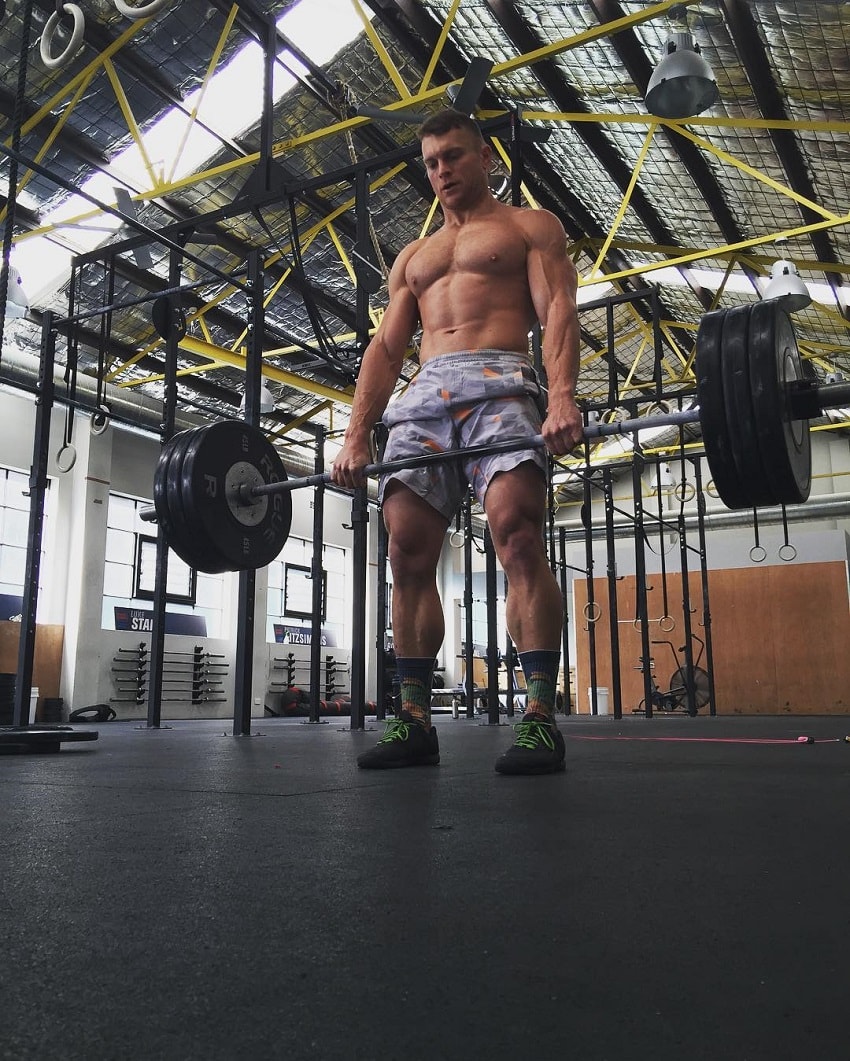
807, 46
307, 274
790, 60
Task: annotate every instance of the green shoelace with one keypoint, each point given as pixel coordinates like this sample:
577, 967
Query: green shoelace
397, 729
530, 734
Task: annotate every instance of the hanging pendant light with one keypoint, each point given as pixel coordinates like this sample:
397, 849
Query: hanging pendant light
786, 286
682, 85
266, 401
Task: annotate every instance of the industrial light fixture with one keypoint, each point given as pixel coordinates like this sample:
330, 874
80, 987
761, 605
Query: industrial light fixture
266, 401
17, 303
682, 85
786, 286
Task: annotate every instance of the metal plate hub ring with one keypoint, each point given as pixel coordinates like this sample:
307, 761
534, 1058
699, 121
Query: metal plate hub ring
238, 482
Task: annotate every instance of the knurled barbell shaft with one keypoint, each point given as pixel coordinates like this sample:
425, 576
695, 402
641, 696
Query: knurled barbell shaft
509, 445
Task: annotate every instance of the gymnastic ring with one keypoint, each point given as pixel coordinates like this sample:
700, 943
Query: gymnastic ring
589, 609
615, 415
684, 491
145, 11
99, 420
666, 619
456, 539
790, 552
54, 62
66, 458
758, 553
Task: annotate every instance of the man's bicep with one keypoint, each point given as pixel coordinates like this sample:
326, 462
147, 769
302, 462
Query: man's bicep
399, 322
551, 273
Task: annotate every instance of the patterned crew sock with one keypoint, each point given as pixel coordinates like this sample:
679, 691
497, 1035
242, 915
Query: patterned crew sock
540, 668
414, 675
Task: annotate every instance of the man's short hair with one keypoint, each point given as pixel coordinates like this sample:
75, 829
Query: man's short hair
445, 120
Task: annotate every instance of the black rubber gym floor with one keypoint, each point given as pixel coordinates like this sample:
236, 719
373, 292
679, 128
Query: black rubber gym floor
185, 894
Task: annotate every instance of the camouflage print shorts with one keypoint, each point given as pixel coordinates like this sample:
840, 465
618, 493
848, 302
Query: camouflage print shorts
459, 400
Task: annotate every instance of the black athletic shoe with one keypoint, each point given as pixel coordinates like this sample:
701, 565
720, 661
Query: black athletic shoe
538, 749
405, 743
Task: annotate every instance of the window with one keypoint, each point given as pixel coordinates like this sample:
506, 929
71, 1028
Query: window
130, 571
290, 592
14, 532
298, 592
182, 579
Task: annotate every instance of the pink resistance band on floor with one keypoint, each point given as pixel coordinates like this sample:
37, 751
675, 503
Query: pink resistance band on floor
724, 740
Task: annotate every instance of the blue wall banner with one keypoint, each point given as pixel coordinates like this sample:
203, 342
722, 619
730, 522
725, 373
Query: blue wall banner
301, 635
140, 620
11, 607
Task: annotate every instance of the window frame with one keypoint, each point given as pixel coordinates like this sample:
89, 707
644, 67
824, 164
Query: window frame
148, 542
293, 613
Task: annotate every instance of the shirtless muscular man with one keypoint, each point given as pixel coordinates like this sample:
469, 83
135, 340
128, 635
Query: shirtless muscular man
476, 288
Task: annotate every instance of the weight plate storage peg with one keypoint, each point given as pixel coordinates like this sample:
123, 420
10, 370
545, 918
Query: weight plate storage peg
219, 530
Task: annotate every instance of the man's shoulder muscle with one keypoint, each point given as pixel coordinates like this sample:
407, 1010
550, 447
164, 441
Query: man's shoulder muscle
541, 226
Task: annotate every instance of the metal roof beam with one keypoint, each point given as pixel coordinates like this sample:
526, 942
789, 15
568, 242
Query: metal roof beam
148, 75
567, 99
745, 36
252, 18
639, 68
68, 138
151, 78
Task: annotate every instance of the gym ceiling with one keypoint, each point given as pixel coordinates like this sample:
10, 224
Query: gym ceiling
693, 213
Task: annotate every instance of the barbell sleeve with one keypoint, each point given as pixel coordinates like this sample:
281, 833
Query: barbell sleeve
807, 399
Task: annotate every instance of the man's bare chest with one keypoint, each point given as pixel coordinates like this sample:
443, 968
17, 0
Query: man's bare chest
490, 250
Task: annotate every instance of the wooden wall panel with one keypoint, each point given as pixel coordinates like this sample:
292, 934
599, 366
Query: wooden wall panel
47, 661
743, 636
781, 639
631, 678
813, 667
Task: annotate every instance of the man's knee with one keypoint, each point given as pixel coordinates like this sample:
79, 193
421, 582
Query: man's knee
416, 532
521, 550
409, 559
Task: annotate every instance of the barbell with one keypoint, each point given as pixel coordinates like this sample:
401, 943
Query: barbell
223, 499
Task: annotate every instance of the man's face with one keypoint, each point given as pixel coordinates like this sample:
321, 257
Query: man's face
457, 164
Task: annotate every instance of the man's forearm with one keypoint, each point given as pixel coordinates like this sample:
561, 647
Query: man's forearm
561, 352
378, 375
